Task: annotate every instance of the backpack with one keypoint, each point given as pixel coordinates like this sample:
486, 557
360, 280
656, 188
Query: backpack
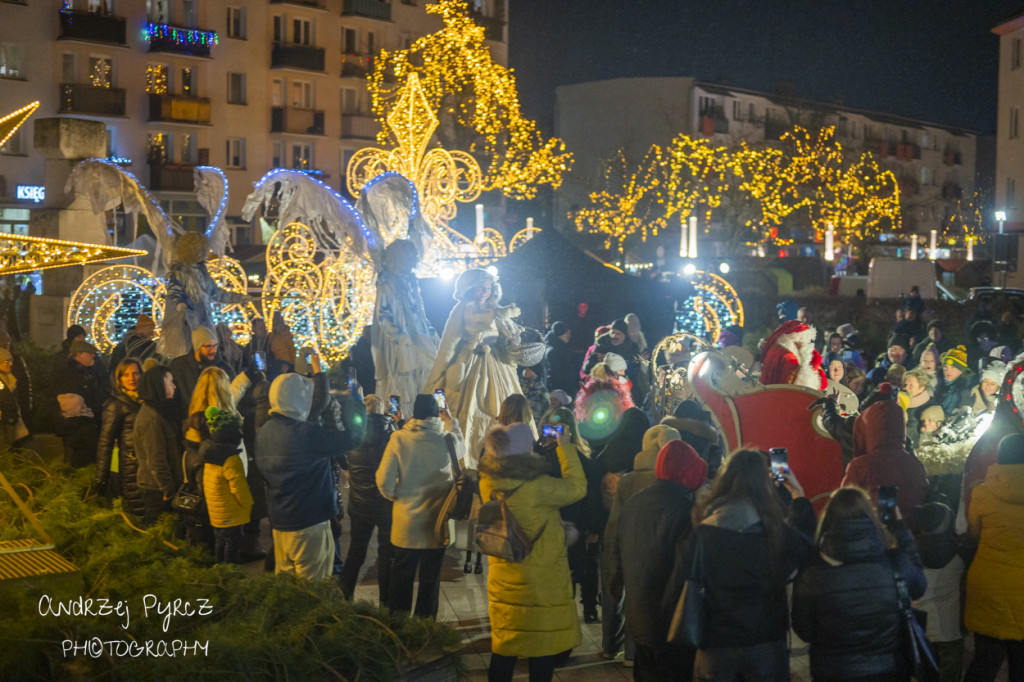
498, 534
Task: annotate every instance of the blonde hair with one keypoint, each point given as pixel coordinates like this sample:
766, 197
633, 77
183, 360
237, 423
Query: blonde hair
212, 388
374, 404
515, 409
602, 372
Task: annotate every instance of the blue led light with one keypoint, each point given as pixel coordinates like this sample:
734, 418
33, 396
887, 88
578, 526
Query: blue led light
128, 174
271, 177
223, 201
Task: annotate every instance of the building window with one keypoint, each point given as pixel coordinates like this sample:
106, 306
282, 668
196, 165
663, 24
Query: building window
189, 15
157, 147
14, 220
236, 88
349, 101
10, 61
156, 79
349, 40
68, 72
158, 11
371, 43
278, 28
411, 3
277, 92
1011, 193
236, 152
101, 72
1015, 54
186, 81
1014, 122
111, 142
13, 146
101, 6
188, 147
277, 155
707, 106
302, 156
188, 213
844, 127
926, 175
302, 95
236, 22
302, 32
737, 110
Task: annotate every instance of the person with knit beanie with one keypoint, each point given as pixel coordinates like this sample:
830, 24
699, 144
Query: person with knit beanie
187, 368
956, 392
985, 393
639, 565
228, 498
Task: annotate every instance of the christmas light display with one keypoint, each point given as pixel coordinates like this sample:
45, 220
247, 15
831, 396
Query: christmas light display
521, 237
965, 226
27, 254
108, 302
181, 36
10, 123
230, 276
713, 305
478, 100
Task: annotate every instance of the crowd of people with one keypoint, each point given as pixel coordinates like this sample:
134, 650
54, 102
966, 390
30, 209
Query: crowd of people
620, 505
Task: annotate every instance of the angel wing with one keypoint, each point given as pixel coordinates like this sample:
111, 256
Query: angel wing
107, 186
329, 215
212, 193
389, 205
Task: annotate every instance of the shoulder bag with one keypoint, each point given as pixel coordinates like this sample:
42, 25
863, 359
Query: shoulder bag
188, 499
458, 505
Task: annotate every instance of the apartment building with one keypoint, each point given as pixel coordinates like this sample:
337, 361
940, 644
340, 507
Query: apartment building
245, 85
1009, 131
934, 164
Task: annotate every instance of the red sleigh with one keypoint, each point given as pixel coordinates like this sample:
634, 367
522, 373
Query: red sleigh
773, 416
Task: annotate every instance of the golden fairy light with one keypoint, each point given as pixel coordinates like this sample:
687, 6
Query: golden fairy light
10, 123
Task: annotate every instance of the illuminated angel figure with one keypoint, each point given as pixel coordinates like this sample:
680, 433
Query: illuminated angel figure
403, 341
476, 361
190, 291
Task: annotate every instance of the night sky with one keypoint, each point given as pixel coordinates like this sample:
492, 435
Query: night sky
936, 61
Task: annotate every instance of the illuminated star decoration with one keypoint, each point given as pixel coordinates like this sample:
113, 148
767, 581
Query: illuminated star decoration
441, 177
10, 123
27, 254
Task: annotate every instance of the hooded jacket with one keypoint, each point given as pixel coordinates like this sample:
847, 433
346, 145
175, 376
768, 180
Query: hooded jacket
995, 600
641, 553
415, 473
746, 605
294, 456
849, 612
530, 603
880, 457
363, 461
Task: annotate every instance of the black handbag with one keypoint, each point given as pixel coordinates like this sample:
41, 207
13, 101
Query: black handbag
690, 619
188, 499
458, 505
917, 650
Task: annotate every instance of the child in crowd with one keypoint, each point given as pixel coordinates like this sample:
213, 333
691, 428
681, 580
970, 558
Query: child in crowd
228, 498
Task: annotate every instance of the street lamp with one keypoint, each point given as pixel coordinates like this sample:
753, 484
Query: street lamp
1001, 218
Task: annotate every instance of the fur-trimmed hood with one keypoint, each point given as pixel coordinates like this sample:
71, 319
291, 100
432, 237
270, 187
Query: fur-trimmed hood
516, 467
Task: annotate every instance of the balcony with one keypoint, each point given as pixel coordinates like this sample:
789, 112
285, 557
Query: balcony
375, 9
298, 121
171, 177
179, 109
494, 27
82, 98
180, 40
92, 27
356, 64
297, 57
359, 126
311, 4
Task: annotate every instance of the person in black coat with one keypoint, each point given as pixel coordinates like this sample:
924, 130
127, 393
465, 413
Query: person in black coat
562, 365
118, 430
653, 522
614, 341
748, 550
367, 508
845, 603
80, 393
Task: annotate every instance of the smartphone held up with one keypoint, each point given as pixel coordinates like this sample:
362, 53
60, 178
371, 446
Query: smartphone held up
780, 463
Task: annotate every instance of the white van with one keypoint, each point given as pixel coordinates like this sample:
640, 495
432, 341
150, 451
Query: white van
893, 278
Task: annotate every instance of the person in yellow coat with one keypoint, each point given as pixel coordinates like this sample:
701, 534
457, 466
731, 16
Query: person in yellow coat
995, 597
530, 603
228, 498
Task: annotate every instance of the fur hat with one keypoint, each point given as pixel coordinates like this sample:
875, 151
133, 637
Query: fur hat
514, 439
1011, 449
995, 372
615, 362
956, 357
679, 462
81, 347
201, 336
472, 278
191, 248
933, 413
562, 397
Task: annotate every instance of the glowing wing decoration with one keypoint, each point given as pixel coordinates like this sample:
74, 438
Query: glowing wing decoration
389, 205
212, 194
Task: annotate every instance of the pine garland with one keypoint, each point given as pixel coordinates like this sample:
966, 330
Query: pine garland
263, 627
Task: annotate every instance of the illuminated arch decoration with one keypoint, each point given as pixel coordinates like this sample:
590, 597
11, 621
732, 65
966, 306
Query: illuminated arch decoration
713, 305
321, 295
521, 237
442, 177
230, 276
108, 302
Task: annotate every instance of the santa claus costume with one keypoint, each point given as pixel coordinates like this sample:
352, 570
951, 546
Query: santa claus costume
789, 357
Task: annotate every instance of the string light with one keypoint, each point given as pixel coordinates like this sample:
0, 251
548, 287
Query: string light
185, 37
230, 276
20, 253
476, 95
223, 201
10, 123
156, 79
522, 236
110, 300
714, 305
967, 220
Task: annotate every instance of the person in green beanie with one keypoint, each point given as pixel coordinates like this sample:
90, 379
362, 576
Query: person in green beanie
959, 381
